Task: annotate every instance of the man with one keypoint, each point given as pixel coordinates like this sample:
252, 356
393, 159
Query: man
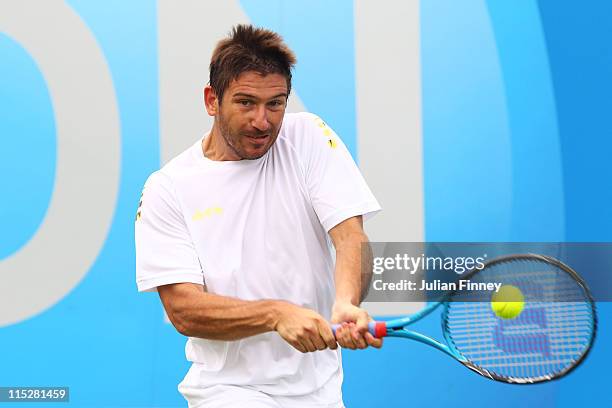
235, 233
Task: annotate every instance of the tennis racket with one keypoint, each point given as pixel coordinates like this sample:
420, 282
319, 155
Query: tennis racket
551, 336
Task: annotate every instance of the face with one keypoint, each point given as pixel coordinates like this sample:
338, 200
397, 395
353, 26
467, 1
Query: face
250, 115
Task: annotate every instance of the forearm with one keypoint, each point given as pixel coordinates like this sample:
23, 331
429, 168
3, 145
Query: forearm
353, 271
353, 275
215, 317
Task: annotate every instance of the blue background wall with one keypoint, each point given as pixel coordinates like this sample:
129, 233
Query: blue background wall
516, 137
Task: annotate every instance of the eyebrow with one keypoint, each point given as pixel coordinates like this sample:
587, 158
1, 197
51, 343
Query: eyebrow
256, 98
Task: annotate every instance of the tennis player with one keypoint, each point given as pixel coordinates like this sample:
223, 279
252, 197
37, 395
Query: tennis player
236, 236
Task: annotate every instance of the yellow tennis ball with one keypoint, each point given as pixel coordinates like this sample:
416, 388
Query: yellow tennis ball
508, 302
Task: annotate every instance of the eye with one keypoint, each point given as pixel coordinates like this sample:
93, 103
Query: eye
276, 103
245, 102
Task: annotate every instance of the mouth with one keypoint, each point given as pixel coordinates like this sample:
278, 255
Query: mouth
258, 139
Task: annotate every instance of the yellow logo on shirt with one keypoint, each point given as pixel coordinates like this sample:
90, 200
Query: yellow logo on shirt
327, 132
139, 210
207, 213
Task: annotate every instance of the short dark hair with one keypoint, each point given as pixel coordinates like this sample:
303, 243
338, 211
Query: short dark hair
249, 48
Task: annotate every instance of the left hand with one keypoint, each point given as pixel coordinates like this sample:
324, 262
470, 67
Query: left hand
353, 332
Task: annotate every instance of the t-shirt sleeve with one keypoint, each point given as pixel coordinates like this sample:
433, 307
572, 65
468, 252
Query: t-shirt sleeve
165, 253
336, 187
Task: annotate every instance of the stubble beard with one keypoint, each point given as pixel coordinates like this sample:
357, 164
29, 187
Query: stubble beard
227, 136
232, 140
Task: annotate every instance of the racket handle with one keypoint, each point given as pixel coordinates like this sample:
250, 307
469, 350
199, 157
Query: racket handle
377, 329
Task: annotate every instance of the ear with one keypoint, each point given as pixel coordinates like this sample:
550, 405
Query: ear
211, 101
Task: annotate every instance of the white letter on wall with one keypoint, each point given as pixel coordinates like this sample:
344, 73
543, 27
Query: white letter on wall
80, 212
388, 89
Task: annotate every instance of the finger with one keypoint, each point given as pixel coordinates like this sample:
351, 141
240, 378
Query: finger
373, 341
363, 319
359, 339
341, 335
328, 336
318, 342
308, 344
298, 346
345, 338
359, 330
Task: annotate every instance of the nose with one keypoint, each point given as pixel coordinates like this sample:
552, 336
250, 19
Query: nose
260, 121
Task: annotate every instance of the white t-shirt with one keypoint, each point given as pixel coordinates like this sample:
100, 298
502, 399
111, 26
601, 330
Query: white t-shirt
254, 229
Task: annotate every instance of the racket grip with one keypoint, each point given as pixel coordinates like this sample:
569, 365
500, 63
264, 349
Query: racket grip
377, 329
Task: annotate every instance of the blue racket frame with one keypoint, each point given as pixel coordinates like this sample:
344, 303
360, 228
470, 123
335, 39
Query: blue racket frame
396, 327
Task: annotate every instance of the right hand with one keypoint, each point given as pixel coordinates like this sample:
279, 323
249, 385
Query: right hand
304, 329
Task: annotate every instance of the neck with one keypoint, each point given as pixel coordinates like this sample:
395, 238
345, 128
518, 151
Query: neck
216, 148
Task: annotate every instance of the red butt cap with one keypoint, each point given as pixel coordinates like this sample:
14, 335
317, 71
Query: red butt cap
380, 329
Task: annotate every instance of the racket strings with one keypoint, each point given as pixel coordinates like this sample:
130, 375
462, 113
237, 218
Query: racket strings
551, 334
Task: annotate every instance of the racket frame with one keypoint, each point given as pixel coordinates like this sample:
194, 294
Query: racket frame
396, 327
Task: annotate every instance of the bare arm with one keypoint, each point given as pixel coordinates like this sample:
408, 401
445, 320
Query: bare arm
353, 260
196, 313
352, 276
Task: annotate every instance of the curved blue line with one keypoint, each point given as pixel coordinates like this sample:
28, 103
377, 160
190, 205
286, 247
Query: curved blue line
466, 138
537, 175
